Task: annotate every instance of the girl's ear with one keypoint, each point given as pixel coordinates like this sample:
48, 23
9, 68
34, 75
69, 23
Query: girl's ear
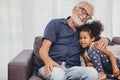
93, 39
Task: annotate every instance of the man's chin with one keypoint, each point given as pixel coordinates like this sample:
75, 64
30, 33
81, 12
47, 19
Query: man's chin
78, 25
78, 22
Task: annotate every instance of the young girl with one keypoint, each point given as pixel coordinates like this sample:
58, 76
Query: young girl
102, 59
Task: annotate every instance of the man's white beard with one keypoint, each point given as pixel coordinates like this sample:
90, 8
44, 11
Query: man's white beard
76, 20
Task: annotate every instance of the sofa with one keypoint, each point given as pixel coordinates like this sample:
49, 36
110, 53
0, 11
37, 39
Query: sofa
24, 65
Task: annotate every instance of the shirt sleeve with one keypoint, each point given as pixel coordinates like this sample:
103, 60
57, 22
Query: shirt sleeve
51, 31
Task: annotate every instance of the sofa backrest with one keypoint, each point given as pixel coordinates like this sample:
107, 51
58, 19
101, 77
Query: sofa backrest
38, 43
36, 58
116, 40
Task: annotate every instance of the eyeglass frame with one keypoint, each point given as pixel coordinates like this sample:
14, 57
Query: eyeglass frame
86, 13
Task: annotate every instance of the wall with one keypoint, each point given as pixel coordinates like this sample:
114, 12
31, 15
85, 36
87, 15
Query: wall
22, 20
115, 18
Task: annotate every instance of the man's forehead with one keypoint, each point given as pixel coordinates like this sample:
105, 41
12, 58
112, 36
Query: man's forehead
88, 8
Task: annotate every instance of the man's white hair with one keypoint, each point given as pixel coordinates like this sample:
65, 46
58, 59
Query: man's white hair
86, 3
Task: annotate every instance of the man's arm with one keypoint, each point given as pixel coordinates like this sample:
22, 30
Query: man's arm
111, 57
103, 42
43, 52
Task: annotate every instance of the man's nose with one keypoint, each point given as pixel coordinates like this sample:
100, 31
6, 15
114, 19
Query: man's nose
84, 16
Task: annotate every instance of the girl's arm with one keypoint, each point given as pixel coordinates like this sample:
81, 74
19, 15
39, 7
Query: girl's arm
111, 57
87, 61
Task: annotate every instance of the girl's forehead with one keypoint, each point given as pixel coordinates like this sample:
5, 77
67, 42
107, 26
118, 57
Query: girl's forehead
84, 33
87, 32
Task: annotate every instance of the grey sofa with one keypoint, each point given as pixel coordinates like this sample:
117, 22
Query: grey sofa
24, 65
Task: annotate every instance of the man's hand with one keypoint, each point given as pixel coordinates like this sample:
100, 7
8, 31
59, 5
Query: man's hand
103, 49
103, 42
49, 67
96, 45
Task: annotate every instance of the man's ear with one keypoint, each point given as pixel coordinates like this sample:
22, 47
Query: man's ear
74, 9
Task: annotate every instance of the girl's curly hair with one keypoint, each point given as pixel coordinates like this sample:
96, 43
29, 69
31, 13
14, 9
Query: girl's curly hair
94, 28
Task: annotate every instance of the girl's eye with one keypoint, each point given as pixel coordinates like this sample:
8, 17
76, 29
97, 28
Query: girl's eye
80, 38
84, 37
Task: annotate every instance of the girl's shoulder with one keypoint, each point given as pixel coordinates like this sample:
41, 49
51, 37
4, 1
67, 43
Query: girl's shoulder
93, 50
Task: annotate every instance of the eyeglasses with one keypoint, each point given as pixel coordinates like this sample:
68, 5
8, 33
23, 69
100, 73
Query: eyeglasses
84, 12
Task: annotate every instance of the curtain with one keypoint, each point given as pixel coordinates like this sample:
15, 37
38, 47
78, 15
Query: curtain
10, 33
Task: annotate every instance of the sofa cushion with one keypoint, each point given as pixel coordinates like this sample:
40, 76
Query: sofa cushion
35, 77
36, 58
115, 49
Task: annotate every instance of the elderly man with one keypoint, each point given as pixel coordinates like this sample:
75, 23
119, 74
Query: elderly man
60, 50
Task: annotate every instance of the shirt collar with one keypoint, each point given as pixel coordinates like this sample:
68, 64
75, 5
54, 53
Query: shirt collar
65, 20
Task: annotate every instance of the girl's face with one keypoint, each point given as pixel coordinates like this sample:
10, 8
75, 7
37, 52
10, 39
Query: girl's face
85, 39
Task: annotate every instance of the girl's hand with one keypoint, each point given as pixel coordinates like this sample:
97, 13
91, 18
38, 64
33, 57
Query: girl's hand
89, 64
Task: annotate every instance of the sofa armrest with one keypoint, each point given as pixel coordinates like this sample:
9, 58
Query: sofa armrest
116, 40
20, 68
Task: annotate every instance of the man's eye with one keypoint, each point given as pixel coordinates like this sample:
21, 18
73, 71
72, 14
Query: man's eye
84, 12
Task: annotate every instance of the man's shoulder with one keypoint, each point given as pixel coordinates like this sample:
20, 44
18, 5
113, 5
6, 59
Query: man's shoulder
58, 22
58, 19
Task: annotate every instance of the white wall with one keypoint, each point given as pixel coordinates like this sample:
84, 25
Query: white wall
10, 33
116, 18
22, 20
103, 12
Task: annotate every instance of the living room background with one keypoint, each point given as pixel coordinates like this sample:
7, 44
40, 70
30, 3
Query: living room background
22, 20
